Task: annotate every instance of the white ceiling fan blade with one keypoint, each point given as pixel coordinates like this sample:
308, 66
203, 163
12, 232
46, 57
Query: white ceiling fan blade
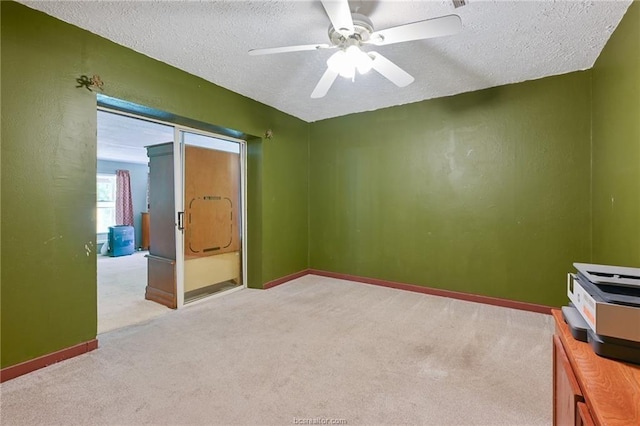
340, 15
286, 49
324, 84
436, 27
391, 71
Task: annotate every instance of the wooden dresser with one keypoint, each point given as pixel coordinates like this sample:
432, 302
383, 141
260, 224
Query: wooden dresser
589, 389
144, 245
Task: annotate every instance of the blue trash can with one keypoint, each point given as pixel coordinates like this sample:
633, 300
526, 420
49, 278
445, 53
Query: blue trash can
121, 240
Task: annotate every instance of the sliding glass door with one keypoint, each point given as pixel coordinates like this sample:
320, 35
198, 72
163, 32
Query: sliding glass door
211, 217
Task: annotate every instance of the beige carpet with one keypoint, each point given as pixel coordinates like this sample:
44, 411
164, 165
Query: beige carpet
315, 348
121, 284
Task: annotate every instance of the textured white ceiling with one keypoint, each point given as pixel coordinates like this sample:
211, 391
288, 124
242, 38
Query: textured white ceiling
501, 42
122, 138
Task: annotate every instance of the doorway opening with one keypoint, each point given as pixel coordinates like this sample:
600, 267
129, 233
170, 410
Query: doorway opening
188, 216
121, 219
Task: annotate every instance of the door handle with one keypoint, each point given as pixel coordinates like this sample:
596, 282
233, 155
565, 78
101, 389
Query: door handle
181, 221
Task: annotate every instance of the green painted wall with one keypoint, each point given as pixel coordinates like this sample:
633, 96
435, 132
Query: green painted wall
283, 189
48, 277
616, 146
485, 193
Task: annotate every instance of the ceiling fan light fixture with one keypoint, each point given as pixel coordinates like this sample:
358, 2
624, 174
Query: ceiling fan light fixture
340, 63
359, 59
348, 71
365, 63
335, 61
346, 62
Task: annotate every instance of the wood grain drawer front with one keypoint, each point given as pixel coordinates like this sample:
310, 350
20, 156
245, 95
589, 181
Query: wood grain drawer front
611, 388
584, 416
566, 391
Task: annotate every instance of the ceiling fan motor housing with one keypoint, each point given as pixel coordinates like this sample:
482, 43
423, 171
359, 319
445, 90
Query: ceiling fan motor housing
363, 28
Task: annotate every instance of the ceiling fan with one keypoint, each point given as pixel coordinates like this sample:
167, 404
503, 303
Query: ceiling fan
349, 32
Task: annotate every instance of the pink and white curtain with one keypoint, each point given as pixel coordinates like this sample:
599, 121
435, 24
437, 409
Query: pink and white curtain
124, 204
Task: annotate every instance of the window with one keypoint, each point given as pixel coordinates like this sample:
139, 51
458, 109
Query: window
106, 205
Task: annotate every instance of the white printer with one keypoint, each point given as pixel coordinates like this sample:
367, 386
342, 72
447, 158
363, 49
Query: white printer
605, 309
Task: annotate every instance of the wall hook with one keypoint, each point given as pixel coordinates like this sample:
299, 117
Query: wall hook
94, 82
